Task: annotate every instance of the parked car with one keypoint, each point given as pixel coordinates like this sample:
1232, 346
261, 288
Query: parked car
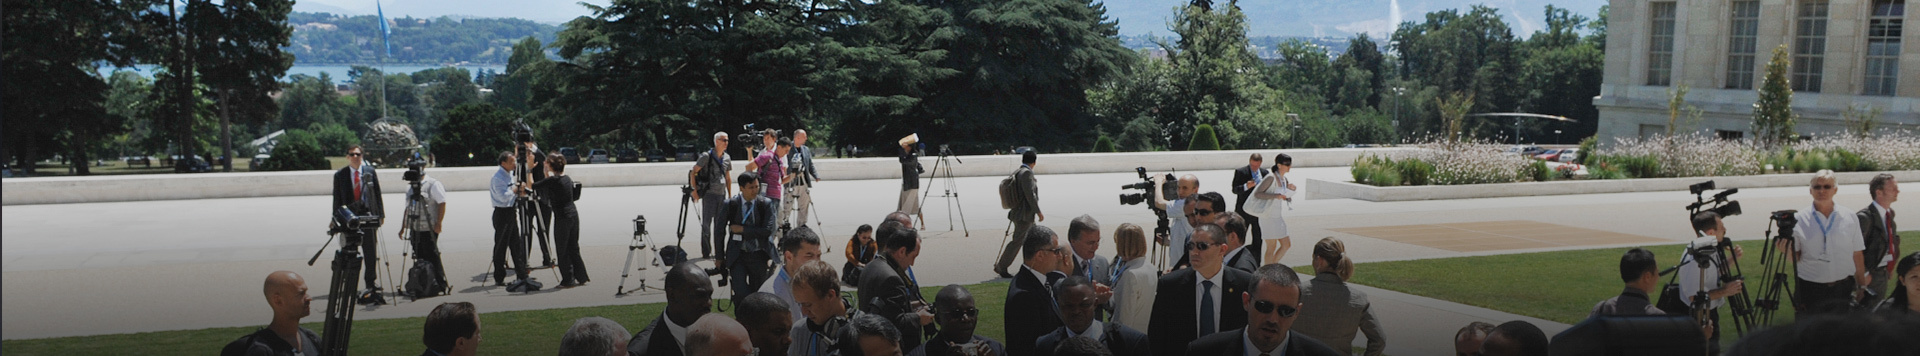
1525, 150
626, 155
1568, 155
573, 155
598, 156
1548, 155
685, 153
656, 155
193, 164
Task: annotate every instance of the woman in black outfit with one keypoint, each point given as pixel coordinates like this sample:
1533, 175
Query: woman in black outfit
558, 189
1906, 288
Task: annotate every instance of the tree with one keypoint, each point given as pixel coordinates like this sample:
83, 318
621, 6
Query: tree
1204, 139
1362, 55
1214, 72
1773, 117
53, 94
1453, 111
296, 151
333, 137
238, 51
1103, 144
308, 100
130, 100
511, 90
472, 135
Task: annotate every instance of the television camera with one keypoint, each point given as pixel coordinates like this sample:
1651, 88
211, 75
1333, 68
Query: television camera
346, 271
1147, 195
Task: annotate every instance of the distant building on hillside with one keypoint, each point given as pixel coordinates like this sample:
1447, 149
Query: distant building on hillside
1844, 53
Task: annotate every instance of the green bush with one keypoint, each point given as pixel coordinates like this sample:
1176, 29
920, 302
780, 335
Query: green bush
1588, 147
1604, 170
1104, 144
334, 138
297, 151
1386, 176
1538, 171
1416, 172
1204, 139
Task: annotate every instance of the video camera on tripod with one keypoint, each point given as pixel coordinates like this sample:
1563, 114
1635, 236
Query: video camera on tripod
753, 139
346, 270
1720, 203
1148, 195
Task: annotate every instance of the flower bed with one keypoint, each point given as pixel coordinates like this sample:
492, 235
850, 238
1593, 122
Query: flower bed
1705, 156
1449, 164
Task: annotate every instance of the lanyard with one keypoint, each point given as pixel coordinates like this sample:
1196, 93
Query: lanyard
1825, 227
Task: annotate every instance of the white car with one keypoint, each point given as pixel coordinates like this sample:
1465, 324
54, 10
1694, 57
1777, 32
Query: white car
1569, 155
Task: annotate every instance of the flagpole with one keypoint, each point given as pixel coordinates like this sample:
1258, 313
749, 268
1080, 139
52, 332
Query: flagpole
382, 60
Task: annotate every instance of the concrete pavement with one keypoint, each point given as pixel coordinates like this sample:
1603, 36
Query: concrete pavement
83, 269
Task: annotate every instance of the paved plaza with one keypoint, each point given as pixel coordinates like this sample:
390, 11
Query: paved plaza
103, 268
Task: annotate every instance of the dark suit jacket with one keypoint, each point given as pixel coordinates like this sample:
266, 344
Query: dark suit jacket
1101, 272
1119, 339
1030, 303
1241, 176
1026, 196
1246, 260
1873, 228
1229, 343
757, 237
655, 340
884, 291
370, 193
1175, 322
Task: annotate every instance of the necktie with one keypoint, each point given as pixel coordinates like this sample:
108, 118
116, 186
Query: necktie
356, 184
1893, 241
1206, 308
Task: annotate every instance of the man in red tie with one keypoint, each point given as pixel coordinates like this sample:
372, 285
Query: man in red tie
1880, 235
358, 188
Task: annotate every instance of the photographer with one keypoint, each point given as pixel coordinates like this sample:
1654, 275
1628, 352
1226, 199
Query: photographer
557, 188
772, 167
750, 251
426, 216
1696, 275
506, 227
357, 187
1180, 230
1827, 256
910, 170
711, 181
800, 166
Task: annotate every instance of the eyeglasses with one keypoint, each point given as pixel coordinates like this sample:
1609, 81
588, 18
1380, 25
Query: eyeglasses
1822, 186
1200, 245
1198, 212
355, 154
962, 314
1266, 307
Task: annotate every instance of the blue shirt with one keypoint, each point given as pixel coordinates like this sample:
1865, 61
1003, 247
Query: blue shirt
502, 189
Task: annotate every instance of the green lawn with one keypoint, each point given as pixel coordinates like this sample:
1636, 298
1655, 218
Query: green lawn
1560, 286
532, 332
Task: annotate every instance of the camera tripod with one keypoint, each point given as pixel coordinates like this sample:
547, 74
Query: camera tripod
1776, 260
341, 289
951, 192
642, 241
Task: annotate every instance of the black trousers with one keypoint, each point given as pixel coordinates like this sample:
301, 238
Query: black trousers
426, 246
370, 255
545, 235
749, 271
506, 235
566, 238
1823, 298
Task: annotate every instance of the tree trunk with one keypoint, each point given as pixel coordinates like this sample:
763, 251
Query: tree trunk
226, 133
81, 161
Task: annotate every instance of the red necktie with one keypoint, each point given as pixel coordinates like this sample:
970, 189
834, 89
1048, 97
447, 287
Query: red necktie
356, 185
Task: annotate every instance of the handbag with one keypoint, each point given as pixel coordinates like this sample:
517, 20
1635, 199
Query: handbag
1257, 205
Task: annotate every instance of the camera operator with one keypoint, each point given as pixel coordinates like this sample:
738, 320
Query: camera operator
1696, 275
287, 295
557, 188
425, 228
1180, 230
800, 166
1026, 210
1827, 256
713, 184
536, 163
772, 167
506, 227
750, 249
910, 170
357, 187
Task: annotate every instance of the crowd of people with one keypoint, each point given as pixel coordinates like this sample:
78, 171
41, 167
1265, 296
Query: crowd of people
1220, 290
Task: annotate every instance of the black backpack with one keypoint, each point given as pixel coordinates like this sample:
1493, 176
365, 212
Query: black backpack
421, 282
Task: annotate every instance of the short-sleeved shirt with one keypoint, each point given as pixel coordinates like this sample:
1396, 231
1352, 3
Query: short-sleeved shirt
435, 195
1695, 277
1179, 230
1826, 244
717, 166
772, 169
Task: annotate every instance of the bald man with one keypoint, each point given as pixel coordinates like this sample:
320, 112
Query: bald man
287, 294
1179, 228
718, 335
800, 163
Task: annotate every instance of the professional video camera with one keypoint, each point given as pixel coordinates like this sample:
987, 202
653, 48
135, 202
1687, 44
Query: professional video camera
1148, 195
1716, 253
1720, 203
752, 139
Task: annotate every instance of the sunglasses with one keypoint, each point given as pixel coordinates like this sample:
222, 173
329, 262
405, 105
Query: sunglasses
1198, 212
1822, 186
1200, 245
355, 154
962, 314
1266, 307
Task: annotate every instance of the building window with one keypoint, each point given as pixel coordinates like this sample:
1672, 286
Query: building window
1660, 47
1743, 26
1650, 131
1809, 45
1883, 47
1729, 135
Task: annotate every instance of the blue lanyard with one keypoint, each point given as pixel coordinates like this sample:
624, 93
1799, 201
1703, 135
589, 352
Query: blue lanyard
813, 344
1825, 227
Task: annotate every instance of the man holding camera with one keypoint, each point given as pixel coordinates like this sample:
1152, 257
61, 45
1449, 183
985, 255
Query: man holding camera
711, 183
506, 224
1828, 258
357, 187
750, 221
910, 170
800, 166
1697, 275
1179, 228
426, 211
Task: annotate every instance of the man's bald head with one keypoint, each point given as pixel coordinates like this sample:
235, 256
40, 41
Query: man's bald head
718, 335
286, 292
900, 217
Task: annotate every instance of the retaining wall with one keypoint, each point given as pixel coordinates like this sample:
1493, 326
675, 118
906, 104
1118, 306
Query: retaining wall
1322, 189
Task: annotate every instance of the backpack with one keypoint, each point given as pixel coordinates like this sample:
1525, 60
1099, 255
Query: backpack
707, 162
420, 281
1007, 195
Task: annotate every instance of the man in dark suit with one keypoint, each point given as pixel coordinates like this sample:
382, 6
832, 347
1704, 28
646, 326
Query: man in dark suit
453, 329
1083, 234
1240, 256
1078, 308
887, 289
1024, 212
1271, 306
1245, 179
1189, 302
1029, 298
357, 187
749, 255
1880, 234
689, 296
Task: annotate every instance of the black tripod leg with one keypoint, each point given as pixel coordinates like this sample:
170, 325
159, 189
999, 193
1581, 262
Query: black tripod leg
341, 295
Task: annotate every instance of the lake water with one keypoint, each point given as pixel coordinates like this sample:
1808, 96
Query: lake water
338, 72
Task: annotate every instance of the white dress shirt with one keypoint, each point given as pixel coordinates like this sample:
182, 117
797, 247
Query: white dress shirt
1094, 331
1246, 342
1826, 244
679, 333
1215, 290
1695, 277
1179, 230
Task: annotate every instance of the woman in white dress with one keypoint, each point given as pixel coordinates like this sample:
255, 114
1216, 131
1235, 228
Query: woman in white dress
1273, 189
1134, 279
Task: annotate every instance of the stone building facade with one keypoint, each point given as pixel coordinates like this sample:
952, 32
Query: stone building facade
1845, 53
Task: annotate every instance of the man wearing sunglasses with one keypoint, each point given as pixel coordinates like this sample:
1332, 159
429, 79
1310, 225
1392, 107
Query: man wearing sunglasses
955, 312
1078, 310
1029, 310
357, 187
1271, 306
1829, 262
1189, 303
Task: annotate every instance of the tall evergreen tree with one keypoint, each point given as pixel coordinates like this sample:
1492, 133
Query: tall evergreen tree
1773, 117
54, 95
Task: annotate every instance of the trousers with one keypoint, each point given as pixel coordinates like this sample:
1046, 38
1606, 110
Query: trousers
426, 247
506, 236
749, 271
713, 226
1823, 298
1014, 242
370, 255
801, 199
566, 238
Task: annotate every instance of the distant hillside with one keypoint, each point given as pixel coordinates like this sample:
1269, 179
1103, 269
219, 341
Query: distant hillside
324, 38
1336, 18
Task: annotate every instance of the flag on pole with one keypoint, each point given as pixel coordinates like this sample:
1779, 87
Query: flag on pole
384, 30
